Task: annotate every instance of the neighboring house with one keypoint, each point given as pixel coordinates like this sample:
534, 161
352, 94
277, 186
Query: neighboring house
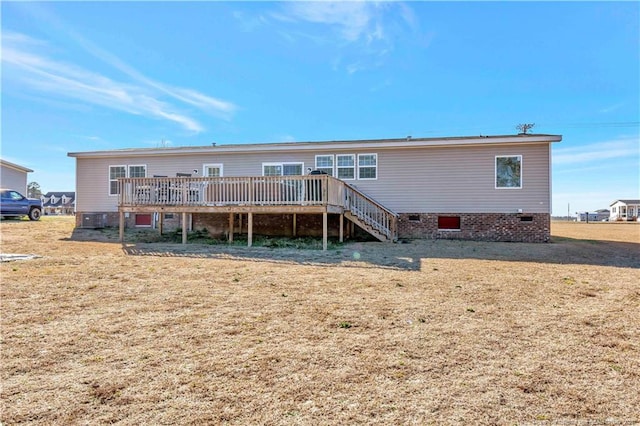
597, 216
59, 203
13, 176
624, 210
484, 188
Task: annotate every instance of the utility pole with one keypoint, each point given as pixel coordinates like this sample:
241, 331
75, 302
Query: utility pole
568, 214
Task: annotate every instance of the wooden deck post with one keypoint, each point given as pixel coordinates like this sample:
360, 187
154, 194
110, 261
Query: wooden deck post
295, 218
231, 215
160, 222
341, 227
184, 228
324, 231
121, 229
249, 229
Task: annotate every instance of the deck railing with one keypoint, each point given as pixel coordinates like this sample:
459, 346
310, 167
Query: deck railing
310, 190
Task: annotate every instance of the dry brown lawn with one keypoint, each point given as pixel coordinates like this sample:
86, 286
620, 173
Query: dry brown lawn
427, 332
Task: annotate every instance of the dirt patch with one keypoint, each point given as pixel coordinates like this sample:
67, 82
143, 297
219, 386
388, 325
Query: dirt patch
440, 332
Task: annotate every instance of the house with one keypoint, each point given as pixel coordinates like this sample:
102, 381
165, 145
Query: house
625, 210
482, 188
597, 216
13, 176
59, 203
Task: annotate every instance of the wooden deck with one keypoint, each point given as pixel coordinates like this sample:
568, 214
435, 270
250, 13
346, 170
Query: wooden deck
319, 194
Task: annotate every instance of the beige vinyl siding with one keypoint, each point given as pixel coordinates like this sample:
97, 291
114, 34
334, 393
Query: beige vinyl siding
459, 180
455, 179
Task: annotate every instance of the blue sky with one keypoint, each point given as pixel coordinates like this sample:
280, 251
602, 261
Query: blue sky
105, 75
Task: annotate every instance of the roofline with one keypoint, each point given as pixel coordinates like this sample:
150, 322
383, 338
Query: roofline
626, 201
15, 166
407, 142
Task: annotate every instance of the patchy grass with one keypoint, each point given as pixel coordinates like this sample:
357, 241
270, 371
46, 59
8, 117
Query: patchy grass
427, 332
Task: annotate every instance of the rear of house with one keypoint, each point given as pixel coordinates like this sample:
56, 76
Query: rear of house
484, 188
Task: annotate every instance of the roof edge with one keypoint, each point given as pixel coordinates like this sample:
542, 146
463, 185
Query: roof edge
15, 166
408, 142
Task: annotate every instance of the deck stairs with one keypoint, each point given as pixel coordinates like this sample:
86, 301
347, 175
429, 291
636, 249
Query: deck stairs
370, 215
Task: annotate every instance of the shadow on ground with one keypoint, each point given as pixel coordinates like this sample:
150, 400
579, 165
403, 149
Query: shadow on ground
407, 255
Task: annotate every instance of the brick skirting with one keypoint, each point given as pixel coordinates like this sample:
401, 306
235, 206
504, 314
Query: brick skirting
521, 227
112, 220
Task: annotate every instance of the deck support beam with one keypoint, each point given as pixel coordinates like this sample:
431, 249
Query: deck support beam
121, 227
324, 231
231, 216
160, 222
295, 218
342, 228
249, 229
184, 228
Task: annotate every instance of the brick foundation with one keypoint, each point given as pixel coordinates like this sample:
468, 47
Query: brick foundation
112, 220
521, 227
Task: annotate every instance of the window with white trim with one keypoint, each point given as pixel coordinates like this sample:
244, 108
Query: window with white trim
116, 172
324, 163
282, 169
346, 166
367, 166
212, 170
137, 171
508, 171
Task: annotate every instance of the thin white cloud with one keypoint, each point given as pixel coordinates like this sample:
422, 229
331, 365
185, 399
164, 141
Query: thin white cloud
207, 103
352, 19
363, 32
623, 148
141, 97
69, 81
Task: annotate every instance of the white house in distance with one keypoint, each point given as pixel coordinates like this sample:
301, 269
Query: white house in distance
58, 203
624, 210
482, 187
13, 176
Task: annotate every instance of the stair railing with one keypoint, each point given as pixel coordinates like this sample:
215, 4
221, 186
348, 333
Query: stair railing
371, 213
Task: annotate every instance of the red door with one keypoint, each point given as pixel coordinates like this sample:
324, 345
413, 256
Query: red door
143, 220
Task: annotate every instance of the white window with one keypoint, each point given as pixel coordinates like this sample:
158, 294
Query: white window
116, 172
137, 171
324, 163
282, 169
346, 166
212, 170
272, 170
509, 172
367, 166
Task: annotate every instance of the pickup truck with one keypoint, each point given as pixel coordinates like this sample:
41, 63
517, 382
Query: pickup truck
14, 204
